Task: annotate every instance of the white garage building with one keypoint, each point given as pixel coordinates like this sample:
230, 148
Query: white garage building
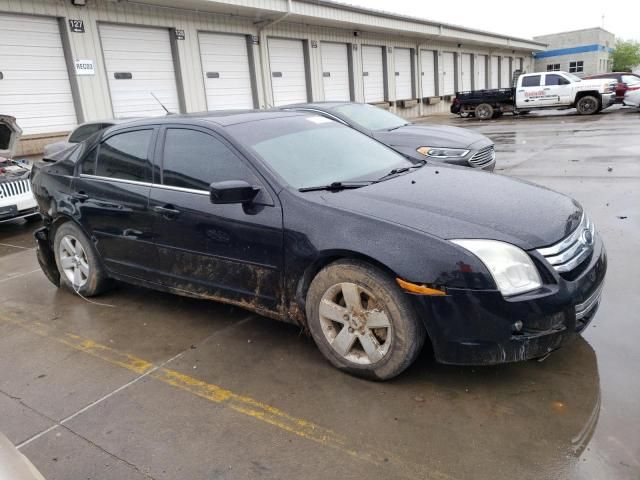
63, 62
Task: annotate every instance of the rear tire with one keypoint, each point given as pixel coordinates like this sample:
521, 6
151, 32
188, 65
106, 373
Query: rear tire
362, 322
484, 111
80, 267
588, 105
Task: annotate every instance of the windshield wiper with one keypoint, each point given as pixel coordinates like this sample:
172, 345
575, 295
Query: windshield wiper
395, 128
336, 186
399, 170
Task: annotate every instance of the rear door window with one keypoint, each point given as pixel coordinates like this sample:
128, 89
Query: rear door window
194, 159
531, 81
125, 156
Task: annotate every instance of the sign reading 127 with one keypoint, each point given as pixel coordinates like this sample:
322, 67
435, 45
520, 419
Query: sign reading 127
76, 26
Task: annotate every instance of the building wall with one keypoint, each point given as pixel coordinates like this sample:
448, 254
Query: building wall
591, 46
92, 92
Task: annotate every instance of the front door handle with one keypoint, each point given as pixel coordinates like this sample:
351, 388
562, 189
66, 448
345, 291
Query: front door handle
168, 211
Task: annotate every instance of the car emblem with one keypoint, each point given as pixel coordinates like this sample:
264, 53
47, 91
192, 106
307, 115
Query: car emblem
586, 237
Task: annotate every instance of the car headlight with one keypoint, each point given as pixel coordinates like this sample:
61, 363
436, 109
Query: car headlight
511, 268
436, 152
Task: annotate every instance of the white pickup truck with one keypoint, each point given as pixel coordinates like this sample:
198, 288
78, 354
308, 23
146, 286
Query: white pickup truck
538, 90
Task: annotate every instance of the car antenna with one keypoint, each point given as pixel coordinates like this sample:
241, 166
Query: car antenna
165, 108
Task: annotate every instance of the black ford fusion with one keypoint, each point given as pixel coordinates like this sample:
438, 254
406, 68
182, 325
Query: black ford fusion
305, 220
438, 143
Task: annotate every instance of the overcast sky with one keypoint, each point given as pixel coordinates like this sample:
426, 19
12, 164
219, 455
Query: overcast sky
519, 18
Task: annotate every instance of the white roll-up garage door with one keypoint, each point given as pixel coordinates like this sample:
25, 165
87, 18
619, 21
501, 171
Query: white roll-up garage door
481, 72
139, 65
495, 72
225, 66
505, 73
372, 74
428, 73
404, 82
467, 74
288, 76
448, 73
335, 71
34, 82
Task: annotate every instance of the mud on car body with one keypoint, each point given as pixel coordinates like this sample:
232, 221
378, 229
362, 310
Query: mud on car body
305, 220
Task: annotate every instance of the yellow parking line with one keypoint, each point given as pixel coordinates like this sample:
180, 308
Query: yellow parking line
238, 403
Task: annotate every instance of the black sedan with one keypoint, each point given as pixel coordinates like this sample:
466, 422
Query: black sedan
439, 143
302, 219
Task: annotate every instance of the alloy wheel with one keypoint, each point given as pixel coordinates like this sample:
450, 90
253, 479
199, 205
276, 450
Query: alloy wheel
74, 261
355, 323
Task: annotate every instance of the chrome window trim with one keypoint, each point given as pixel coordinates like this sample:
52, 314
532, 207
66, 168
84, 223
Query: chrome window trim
145, 184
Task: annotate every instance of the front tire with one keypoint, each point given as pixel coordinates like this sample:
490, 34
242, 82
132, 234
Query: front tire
588, 105
362, 322
78, 263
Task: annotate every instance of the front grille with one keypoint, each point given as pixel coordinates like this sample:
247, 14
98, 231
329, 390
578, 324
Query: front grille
570, 252
14, 189
483, 156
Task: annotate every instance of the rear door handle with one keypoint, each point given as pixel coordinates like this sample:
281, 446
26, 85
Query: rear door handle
80, 196
167, 211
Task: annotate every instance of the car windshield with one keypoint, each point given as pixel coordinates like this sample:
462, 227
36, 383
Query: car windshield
313, 151
370, 117
572, 77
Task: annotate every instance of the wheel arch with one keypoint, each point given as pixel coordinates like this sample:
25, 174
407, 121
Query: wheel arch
321, 261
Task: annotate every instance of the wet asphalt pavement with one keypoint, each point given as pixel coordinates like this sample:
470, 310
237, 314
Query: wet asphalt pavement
150, 385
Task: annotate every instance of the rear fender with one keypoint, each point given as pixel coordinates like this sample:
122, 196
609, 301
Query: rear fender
46, 257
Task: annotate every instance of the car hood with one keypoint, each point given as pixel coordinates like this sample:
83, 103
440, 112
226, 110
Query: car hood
456, 202
432, 136
10, 134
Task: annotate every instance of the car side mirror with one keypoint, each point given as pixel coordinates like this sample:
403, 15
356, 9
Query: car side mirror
232, 191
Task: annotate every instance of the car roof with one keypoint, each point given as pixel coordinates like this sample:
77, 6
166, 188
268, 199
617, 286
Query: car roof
222, 118
319, 105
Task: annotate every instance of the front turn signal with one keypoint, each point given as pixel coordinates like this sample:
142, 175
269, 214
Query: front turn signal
419, 289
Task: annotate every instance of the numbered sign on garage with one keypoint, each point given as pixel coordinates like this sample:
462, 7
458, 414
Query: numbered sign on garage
225, 66
403, 76
139, 65
288, 71
428, 73
466, 77
448, 73
335, 71
372, 74
34, 81
481, 72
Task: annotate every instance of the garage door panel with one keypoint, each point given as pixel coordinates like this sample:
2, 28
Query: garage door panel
287, 58
466, 73
373, 66
495, 72
335, 71
505, 74
427, 73
481, 72
35, 88
402, 64
145, 53
225, 57
448, 73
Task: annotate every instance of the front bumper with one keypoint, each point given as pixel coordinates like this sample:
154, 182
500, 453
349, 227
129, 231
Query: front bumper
471, 327
608, 99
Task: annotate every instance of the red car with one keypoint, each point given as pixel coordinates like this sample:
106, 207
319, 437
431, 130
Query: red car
623, 78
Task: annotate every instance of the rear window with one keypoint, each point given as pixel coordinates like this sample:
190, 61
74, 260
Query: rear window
85, 131
531, 81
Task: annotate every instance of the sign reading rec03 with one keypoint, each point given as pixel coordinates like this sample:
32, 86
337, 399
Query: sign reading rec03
85, 67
